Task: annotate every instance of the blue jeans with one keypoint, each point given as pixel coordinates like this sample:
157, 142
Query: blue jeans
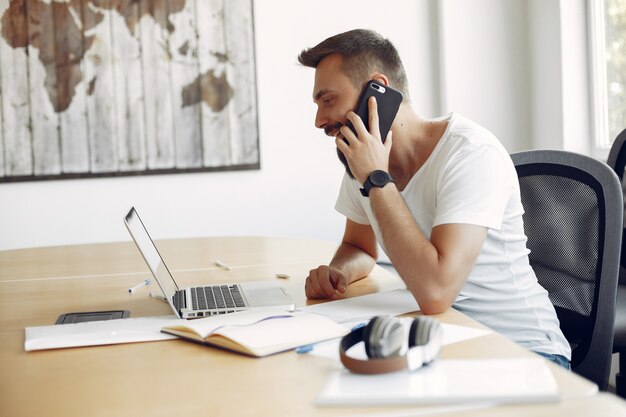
558, 359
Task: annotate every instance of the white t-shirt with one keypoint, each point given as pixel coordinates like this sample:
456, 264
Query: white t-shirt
469, 178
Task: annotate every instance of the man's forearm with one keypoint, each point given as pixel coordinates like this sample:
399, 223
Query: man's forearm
415, 258
354, 262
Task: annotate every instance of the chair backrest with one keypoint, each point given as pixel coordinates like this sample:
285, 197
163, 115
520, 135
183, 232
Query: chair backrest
617, 161
617, 155
573, 208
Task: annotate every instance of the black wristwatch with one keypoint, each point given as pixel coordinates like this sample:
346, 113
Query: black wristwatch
376, 178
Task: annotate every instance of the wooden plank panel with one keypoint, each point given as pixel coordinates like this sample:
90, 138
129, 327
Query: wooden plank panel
15, 98
215, 95
185, 86
3, 6
42, 86
100, 103
71, 91
128, 92
155, 57
107, 86
242, 109
1, 118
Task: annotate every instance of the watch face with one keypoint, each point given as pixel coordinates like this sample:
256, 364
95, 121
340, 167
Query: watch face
379, 178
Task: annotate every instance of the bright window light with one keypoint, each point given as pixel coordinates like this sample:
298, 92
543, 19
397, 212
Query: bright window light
607, 26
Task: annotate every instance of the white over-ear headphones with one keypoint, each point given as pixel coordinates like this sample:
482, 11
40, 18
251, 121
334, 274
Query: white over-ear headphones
384, 338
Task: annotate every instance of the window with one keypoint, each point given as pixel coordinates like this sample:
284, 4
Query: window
608, 69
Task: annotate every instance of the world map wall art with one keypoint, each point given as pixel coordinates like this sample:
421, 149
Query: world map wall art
92, 88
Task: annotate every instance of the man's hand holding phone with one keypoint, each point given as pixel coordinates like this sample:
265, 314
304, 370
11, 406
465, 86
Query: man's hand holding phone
370, 122
364, 151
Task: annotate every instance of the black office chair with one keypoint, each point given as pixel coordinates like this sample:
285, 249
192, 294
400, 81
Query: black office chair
617, 161
573, 208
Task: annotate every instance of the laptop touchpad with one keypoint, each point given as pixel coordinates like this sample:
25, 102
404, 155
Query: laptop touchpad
261, 294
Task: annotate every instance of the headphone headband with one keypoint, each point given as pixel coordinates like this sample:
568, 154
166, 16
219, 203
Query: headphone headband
371, 366
425, 339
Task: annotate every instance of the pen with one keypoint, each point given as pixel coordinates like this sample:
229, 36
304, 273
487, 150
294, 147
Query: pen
308, 348
358, 326
141, 284
304, 348
222, 265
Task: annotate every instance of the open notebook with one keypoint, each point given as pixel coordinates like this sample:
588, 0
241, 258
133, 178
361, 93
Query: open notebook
258, 332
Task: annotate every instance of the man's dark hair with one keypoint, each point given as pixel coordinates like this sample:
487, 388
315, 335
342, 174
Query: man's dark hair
363, 52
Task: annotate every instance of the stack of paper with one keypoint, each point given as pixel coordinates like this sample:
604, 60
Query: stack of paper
142, 329
446, 381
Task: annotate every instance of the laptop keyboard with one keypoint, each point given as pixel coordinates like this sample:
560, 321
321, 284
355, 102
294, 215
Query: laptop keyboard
215, 297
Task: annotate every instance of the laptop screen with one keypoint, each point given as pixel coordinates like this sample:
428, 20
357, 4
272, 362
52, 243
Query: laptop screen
150, 253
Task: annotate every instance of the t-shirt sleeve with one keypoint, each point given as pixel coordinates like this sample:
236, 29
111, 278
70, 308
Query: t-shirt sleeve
475, 188
349, 201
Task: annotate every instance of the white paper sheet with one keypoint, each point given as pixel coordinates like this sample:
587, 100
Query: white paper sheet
110, 332
392, 303
452, 333
446, 381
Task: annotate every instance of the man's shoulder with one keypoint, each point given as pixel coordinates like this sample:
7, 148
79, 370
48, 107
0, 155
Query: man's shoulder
463, 127
465, 135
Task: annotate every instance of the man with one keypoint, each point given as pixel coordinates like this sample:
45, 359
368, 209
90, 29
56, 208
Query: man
442, 201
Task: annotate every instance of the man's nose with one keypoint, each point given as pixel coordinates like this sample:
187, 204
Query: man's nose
321, 119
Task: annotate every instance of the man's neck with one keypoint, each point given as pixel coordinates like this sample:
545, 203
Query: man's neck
414, 139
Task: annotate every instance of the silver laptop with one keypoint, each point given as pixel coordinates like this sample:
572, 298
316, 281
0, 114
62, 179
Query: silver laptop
202, 301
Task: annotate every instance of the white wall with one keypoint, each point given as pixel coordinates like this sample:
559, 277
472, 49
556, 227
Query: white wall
560, 100
545, 70
485, 66
497, 62
294, 192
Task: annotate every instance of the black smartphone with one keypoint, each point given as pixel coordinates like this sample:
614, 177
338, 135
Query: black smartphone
82, 317
388, 101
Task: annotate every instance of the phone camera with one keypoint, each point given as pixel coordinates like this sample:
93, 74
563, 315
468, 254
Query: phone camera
378, 87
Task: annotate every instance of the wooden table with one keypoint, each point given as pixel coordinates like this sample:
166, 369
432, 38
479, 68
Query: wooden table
177, 378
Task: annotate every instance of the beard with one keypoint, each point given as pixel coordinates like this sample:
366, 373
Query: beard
342, 158
344, 161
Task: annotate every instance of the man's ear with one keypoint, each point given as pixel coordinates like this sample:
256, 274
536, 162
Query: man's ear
381, 78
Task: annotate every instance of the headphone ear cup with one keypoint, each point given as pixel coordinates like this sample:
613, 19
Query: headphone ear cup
426, 334
422, 331
367, 331
413, 332
383, 337
392, 338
